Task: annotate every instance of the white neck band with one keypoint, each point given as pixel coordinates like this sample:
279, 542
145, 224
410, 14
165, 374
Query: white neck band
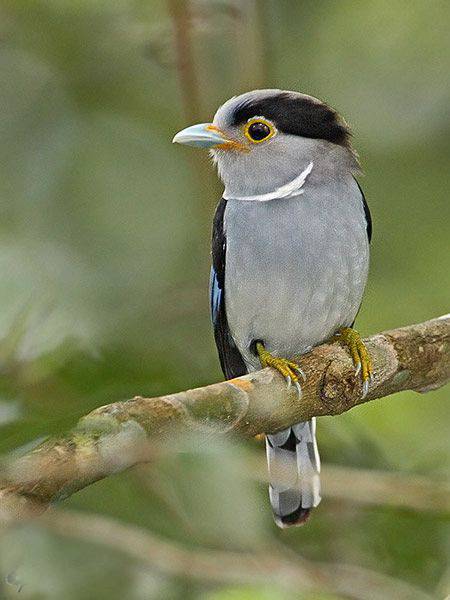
292, 188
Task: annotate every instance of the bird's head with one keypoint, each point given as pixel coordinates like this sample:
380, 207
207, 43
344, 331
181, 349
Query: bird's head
264, 139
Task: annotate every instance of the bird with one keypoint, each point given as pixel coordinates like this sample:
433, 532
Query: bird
290, 258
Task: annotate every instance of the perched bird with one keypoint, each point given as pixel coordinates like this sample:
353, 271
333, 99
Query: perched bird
290, 254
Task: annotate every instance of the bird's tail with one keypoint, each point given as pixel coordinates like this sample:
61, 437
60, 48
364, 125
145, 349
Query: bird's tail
294, 467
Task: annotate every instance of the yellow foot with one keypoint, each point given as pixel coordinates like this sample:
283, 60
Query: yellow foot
288, 368
361, 357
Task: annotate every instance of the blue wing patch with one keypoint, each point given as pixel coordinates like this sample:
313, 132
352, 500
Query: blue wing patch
215, 295
231, 361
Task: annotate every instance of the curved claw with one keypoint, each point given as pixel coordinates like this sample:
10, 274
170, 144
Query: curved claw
300, 372
365, 387
287, 368
360, 356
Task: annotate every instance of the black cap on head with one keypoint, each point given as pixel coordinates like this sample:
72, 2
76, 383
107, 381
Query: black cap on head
297, 114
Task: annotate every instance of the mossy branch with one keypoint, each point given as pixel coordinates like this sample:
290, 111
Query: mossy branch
117, 436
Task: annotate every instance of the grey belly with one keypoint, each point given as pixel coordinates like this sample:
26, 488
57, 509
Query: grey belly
295, 270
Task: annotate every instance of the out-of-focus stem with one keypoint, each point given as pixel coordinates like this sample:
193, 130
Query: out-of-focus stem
271, 567
182, 21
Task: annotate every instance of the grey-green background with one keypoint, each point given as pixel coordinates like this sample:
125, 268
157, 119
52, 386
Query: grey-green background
104, 263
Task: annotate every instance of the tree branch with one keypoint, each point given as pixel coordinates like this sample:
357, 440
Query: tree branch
115, 437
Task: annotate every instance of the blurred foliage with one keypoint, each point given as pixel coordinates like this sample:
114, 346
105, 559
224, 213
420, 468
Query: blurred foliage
104, 239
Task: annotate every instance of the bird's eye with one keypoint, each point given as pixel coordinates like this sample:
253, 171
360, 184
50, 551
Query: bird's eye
258, 130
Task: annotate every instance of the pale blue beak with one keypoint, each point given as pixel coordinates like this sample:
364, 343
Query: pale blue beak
203, 135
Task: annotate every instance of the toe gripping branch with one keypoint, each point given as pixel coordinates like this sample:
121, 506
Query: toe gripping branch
287, 368
359, 353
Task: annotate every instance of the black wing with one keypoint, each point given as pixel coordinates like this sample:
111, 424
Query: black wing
368, 226
366, 212
231, 360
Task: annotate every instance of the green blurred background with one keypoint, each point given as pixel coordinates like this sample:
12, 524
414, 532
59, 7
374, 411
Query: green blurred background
104, 264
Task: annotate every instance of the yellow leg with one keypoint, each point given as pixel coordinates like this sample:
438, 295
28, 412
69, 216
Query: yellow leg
360, 356
288, 368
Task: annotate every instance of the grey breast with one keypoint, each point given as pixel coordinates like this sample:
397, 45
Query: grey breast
295, 268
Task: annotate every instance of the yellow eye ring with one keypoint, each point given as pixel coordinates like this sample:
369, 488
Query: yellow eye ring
259, 129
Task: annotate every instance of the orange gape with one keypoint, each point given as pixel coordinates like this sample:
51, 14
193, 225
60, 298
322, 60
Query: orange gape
229, 144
